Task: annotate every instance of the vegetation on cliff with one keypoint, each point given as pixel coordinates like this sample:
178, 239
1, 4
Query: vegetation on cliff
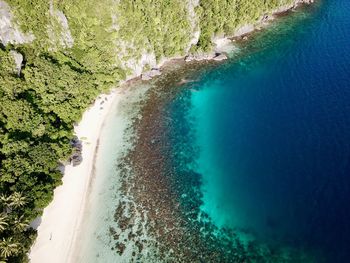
224, 17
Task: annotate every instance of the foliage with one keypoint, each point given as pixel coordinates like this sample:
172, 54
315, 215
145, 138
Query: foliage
39, 107
158, 26
224, 17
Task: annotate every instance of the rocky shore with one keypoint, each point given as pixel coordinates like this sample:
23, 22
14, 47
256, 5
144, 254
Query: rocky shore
223, 45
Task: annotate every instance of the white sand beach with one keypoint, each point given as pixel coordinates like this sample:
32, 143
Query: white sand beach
61, 219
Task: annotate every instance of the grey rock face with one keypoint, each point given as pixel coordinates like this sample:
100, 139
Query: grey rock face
63, 38
18, 58
9, 31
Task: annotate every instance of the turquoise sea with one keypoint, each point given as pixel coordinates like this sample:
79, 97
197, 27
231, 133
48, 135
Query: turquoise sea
272, 129
242, 161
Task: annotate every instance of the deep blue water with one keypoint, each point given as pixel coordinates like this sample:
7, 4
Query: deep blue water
273, 132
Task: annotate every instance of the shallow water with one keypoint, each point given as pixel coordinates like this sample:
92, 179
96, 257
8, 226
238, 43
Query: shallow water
94, 241
273, 130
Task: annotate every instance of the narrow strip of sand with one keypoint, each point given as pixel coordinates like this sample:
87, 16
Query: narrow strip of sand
62, 217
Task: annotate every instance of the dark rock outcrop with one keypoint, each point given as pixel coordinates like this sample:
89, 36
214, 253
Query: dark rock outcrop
76, 157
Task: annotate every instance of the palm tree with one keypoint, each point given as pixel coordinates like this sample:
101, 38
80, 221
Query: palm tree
19, 223
8, 247
3, 222
5, 201
17, 200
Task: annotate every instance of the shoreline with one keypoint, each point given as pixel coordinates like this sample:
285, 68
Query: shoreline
60, 221
225, 44
62, 218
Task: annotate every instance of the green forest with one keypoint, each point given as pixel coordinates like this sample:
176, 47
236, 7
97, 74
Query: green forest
40, 104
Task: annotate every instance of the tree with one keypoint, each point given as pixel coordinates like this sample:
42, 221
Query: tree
5, 203
3, 222
8, 247
19, 223
17, 200
5, 200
